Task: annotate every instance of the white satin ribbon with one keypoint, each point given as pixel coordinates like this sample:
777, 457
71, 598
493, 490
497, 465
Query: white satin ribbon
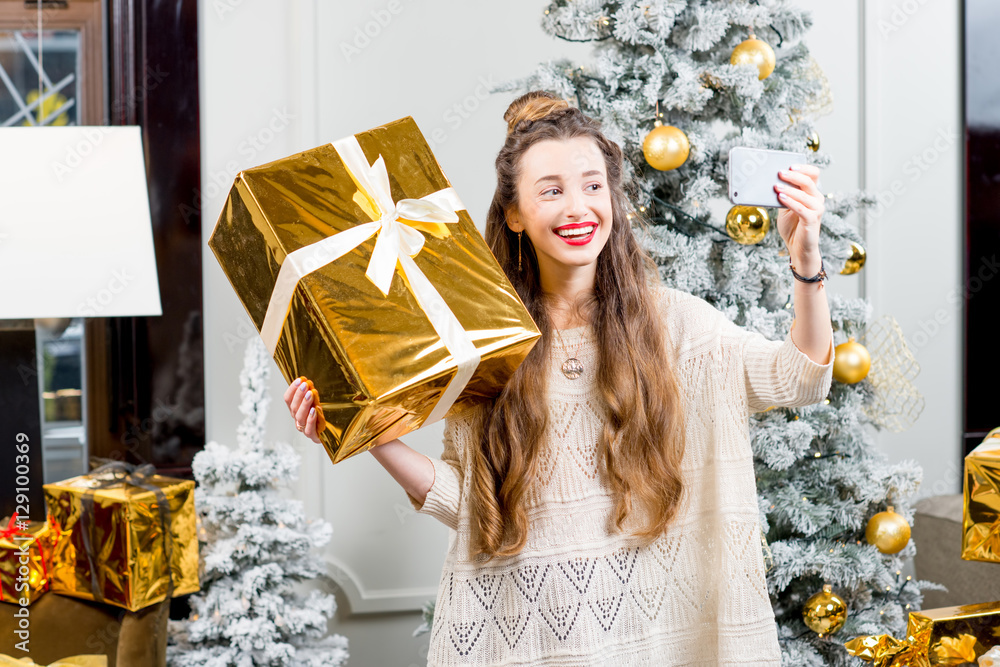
396, 242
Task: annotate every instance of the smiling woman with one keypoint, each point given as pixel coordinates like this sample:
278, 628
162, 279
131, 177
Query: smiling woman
604, 504
591, 526
564, 208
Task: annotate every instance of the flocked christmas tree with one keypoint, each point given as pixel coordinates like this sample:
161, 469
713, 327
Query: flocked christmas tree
256, 546
677, 83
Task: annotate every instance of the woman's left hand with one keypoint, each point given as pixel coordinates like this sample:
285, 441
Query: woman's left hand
799, 222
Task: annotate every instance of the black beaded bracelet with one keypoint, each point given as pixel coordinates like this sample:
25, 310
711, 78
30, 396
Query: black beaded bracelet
818, 278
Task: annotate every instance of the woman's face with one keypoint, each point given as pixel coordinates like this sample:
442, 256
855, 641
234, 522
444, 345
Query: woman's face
564, 204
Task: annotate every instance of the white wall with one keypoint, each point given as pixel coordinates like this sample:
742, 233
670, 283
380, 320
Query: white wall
275, 79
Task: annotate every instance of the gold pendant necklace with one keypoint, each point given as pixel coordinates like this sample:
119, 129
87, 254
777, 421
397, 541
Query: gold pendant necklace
572, 368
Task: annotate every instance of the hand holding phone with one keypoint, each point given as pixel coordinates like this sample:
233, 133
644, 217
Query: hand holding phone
753, 173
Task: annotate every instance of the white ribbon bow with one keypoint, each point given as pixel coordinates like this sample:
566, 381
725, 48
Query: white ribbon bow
396, 242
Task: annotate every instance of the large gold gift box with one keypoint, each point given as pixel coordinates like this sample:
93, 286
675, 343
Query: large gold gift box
981, 507
26, 544
73, 661
364, 273
948, 636
128, 537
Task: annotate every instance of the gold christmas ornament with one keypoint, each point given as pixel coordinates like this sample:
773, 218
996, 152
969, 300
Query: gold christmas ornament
888, 531
812, 141
665, 147
754, 52
856, 261
747, 224
825, 612
851, 362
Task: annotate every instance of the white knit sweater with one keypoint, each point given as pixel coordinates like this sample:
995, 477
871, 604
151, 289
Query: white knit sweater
583, 594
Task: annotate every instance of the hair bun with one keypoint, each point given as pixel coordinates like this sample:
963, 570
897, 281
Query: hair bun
532, 106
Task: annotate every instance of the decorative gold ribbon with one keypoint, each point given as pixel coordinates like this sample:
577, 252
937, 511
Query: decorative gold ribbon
397, 242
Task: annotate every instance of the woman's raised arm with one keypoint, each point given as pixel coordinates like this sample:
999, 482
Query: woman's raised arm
412, 470
799, 226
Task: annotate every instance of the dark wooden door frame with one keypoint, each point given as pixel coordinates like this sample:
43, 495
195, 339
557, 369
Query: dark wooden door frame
981, 178
148, 372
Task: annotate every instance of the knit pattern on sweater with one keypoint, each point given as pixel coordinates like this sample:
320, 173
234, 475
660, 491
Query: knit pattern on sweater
583, 593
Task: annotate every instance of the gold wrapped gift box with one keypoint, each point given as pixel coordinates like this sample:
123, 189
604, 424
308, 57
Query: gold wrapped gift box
27, 544
949, 636
74, 661
364, 273
131, 561
981, 507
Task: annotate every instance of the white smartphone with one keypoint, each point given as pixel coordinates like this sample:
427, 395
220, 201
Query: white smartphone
753, 173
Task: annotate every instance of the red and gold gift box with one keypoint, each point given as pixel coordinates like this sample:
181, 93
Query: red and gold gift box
946, 637
364, 273
981, 504
128, 536
29, 545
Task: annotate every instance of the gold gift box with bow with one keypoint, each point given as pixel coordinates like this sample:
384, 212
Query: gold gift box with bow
73, 661
981, 502
127, 557
948, 636
25, 544
364, 273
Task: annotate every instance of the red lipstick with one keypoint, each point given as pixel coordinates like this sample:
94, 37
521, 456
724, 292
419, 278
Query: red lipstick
578, 240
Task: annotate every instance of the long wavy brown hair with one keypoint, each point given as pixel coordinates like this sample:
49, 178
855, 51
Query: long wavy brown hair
642, 441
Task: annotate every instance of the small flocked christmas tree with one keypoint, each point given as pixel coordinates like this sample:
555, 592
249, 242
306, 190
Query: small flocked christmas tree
256, 546
714, 74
